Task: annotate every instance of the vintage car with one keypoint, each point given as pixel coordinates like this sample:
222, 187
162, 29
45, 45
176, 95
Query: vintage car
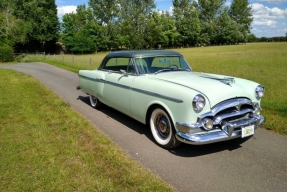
158, 88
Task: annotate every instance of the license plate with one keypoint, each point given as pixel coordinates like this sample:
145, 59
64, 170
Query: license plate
247, 131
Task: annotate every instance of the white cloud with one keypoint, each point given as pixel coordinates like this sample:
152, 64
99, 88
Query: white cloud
273, 1
62, 10
170, 10
266, 22
264, 15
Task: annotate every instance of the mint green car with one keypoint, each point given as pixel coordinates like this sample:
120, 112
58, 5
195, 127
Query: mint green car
158, 88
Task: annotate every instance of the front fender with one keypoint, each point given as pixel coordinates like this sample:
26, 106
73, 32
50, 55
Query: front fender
175, 99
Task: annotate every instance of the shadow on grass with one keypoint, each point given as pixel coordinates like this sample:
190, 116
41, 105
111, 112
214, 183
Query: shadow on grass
184, 150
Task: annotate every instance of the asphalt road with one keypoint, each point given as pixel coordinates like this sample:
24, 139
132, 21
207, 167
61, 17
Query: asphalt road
259, 164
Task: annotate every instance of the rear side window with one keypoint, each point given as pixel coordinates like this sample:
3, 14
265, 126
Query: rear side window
121, 63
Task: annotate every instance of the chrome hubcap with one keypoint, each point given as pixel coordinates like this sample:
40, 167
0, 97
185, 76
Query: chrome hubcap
162, 126
93, 100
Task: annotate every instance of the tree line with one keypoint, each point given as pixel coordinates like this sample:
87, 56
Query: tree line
32, 25
29, 25
135, 24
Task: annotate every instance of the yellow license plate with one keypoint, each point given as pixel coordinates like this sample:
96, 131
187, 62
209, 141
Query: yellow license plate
247, 131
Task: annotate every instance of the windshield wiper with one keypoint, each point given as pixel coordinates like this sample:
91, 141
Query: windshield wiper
171, 69
181, 69
162, 70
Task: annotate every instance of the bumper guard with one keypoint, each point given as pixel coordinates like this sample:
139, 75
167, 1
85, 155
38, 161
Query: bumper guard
193, 134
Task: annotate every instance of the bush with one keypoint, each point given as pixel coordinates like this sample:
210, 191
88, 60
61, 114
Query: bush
6, 54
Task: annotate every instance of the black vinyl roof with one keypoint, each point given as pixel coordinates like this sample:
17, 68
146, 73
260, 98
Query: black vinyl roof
142, 53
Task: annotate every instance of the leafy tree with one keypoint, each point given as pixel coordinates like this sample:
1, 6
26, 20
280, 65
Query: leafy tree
187, 20
168, 35
209, 13
241, 13
134, 17
105, 11
252, 38
226, 30
106, 14
41, 24
153, 35
12, 30
6, 53
80, 32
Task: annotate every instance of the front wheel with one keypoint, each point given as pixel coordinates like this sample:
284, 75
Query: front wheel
162, 129
95, 102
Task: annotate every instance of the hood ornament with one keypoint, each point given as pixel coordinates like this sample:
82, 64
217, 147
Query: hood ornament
225, 80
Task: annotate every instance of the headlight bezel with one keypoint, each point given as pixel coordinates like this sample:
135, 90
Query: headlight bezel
198, 102
259, 91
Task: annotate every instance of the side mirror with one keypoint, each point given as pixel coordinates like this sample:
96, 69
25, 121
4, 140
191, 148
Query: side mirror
123, 72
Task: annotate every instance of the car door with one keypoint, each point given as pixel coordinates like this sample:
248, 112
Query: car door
119, 76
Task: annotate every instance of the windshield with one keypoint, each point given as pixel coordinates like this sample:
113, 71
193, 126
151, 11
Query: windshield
155, 65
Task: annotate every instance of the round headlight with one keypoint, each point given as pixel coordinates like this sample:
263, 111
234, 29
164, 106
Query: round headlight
198, 102
259, 91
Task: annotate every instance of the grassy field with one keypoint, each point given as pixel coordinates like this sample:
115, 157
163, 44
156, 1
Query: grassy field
265, 63
47, 146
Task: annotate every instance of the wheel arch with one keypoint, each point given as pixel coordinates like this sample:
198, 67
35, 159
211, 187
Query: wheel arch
159, 105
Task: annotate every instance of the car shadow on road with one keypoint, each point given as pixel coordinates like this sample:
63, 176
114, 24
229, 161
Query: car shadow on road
184, 150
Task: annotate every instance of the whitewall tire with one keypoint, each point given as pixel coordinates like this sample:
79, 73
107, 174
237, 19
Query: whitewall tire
162, 129
95, 102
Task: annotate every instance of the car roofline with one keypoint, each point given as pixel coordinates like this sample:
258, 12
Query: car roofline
143, 53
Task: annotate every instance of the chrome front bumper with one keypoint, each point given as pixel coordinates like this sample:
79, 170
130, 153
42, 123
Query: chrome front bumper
192, 134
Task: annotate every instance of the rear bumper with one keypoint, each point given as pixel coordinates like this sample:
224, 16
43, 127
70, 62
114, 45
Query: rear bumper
187, 133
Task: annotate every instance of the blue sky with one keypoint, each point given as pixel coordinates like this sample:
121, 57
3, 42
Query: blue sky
269, 16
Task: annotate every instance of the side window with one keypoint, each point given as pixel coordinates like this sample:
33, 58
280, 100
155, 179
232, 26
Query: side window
119, 63
183, 64
142, 66
131, 68
111, 63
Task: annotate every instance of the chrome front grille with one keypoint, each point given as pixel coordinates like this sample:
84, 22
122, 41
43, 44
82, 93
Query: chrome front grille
230, 111
230, 119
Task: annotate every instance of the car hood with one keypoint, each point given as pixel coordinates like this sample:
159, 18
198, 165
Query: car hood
216, 88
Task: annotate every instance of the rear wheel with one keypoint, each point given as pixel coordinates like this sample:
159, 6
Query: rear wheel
162, 129
95, 102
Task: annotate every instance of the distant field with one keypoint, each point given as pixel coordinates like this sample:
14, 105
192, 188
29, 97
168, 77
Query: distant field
265, 63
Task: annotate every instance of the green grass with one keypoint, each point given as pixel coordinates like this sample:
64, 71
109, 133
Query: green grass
265, 63
47, 146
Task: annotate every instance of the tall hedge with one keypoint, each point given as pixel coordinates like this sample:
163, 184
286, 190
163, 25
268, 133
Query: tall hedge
6, 54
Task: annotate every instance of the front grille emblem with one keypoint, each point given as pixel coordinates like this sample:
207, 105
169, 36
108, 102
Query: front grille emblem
238, 107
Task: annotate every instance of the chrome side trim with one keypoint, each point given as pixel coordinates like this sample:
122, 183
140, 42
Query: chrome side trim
135, 89
118, 85
92, 79
157, 95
